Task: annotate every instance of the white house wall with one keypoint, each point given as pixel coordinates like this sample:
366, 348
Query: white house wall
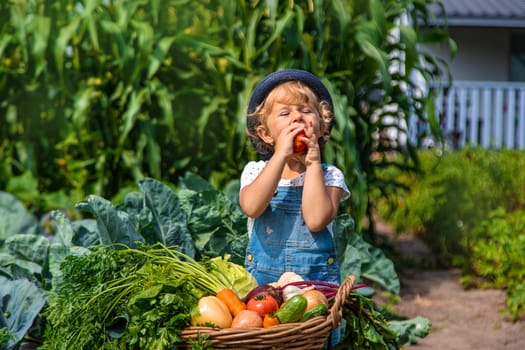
482, 106
482, 54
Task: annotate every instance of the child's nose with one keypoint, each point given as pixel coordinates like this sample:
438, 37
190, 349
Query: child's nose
297, 117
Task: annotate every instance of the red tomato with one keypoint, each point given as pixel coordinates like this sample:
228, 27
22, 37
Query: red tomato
298, 144
263, 304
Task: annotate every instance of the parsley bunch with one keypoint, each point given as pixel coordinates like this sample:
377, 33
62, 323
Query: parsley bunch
123, 298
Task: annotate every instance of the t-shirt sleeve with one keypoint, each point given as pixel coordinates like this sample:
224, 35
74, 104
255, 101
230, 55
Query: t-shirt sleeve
251, 171
335, 177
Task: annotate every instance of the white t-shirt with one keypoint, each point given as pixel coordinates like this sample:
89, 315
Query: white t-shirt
332, 177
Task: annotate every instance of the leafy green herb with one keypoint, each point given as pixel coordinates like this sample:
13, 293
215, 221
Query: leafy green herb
200, 342
5, 336
366, 327
120, 297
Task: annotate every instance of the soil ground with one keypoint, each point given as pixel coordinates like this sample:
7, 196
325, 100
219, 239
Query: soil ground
461, 319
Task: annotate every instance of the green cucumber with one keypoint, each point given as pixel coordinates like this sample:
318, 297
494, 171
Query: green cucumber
318, 310
292, 310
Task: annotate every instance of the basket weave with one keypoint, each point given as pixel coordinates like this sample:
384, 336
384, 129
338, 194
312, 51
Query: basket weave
309, 335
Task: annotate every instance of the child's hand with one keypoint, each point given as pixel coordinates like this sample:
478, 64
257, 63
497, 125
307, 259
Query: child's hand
309, 151
297, 133
313, 154
286, 141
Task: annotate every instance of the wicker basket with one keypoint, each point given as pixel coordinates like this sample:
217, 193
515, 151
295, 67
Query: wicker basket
309, 335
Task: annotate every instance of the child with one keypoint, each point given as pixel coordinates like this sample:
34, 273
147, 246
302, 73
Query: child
291, 198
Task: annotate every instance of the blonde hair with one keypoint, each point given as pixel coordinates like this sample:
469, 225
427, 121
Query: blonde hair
290, 92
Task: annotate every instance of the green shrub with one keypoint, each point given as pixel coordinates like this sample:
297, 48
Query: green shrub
468, 207
496, 253
454, 192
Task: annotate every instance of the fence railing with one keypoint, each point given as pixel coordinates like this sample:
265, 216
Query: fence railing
489, 114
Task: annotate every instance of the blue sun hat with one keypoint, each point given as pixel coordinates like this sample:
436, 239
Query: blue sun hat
276, 78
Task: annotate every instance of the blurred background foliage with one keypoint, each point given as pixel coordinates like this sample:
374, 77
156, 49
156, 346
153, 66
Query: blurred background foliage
468, 207
98, 94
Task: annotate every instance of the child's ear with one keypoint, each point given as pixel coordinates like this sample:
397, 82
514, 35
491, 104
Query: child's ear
323, 127
263, 133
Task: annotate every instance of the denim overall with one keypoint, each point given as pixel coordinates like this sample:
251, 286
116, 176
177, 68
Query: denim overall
280, 241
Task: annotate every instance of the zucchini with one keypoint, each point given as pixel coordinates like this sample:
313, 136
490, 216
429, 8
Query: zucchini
318, 310
292, 310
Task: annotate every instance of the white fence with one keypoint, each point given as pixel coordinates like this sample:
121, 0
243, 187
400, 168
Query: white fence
489, 114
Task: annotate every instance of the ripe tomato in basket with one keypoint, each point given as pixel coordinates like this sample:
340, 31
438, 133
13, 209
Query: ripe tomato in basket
263, 304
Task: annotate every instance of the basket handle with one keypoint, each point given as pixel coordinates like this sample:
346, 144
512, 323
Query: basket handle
336, 311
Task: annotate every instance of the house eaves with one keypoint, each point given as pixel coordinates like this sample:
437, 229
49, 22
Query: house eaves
481, 13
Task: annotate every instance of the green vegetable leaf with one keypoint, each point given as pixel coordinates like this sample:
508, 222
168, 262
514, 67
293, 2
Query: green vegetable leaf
65, 232
113, 226
168, 218
22, 301
409, 330
15, 217
362, 259
29, 247
139, 215
366, 327
232, 275
142, 300
195, 183
216, 223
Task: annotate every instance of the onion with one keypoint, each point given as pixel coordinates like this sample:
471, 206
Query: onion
314, 298
247, 319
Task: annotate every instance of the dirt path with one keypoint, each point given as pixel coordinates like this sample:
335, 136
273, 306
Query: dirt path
461, 319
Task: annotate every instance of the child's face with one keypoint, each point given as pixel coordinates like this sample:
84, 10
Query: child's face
289, 108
